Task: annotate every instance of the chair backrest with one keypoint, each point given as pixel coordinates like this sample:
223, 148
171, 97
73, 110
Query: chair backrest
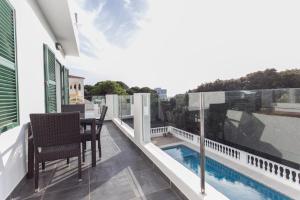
53, 129
101, 119
74, 108
103, 113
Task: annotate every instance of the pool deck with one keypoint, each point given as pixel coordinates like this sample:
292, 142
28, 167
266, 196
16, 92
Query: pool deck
123, 173
167, 140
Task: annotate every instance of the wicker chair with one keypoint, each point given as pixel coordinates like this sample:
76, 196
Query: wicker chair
87, 136
74, 108
55, 136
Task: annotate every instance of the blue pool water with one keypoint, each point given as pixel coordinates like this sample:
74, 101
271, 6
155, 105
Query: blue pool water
229, 182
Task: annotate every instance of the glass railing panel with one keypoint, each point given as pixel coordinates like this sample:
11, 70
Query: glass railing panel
175, 128
175, 120
174, 112
245, 134
262, 122
94, 104
256, 129
126, 114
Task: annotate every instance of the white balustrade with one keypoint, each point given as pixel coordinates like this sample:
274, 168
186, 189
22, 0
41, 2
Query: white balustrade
223, 149
159, 131
274, 169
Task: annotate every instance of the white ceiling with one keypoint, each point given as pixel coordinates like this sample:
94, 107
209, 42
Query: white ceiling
61, 20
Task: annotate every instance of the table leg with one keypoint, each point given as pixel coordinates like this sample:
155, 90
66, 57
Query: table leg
93, 143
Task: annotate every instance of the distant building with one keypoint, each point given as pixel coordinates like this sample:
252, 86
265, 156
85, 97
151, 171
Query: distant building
76, 86
162, 93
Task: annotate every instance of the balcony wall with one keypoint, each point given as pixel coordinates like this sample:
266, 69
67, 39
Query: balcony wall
32, 32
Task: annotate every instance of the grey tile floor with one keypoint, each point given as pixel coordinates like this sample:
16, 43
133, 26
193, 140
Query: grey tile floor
122, 173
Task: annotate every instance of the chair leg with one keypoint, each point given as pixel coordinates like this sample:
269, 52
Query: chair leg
36, 175
83, 153
43, 165
84, 145
99, 147
79, 168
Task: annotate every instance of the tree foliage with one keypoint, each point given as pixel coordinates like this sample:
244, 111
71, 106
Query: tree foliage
123, 85
114, 87
267, 79
136, 89
105, 87
87, 90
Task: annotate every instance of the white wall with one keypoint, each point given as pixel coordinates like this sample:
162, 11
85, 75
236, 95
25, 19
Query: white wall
32, 33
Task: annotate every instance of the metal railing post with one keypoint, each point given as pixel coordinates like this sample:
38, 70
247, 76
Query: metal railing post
202, 145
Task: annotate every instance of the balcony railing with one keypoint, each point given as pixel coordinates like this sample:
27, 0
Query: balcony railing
252, 132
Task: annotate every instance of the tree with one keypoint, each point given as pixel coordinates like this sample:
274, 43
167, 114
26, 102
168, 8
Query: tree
147, 90
108, 87
290, 78
136, 89
123, 85
267, 79
133, 90
87, 90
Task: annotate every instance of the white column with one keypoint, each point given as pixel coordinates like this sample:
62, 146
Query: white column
142, 118
112, 102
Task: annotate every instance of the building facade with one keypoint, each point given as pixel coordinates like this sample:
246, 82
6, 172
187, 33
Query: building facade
162, 93
76, 88
33, 78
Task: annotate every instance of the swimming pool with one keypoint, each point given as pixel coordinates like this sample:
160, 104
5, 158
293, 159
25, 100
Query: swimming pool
229, 182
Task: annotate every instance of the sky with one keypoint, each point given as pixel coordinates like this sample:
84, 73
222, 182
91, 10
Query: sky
179, 44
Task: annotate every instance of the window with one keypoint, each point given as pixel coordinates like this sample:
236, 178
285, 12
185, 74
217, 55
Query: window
75, 87
79, 87
9, 113
50, 79
65, 85
70, 87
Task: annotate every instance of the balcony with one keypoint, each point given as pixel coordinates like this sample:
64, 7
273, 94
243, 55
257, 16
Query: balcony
149, 154
124, 172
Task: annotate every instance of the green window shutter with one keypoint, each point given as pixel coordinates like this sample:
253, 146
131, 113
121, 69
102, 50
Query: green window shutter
62, 86
50, 80
8, 71
66, 83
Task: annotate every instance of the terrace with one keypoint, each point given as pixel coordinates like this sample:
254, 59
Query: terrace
211, 145
123, 172
148, 155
